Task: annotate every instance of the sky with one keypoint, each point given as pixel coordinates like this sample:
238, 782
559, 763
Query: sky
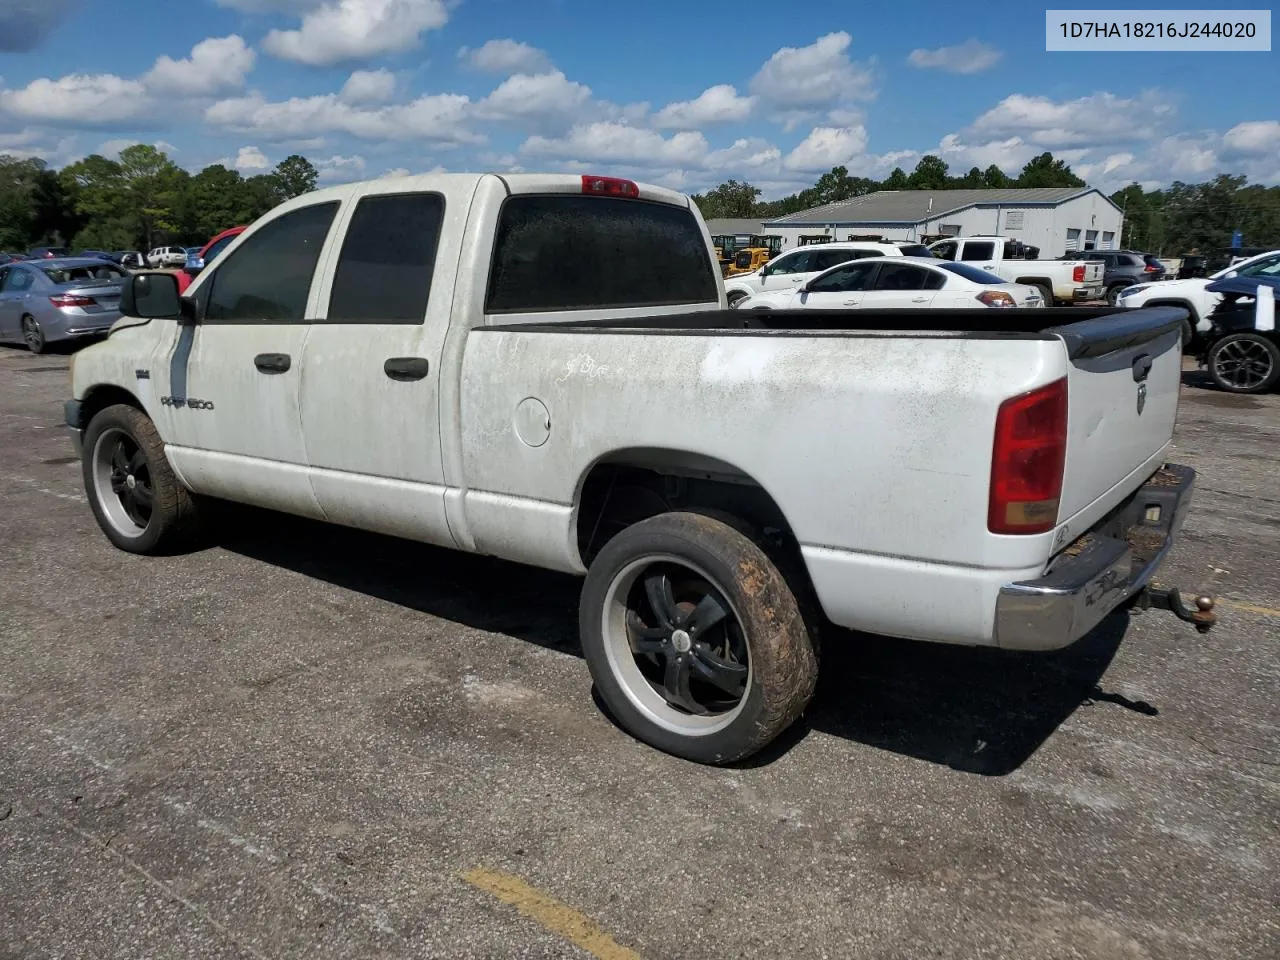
686, 95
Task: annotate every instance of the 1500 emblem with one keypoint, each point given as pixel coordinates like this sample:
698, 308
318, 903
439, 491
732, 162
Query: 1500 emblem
189, 402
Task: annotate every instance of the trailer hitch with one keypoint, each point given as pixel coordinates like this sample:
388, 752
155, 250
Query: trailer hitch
1201, 616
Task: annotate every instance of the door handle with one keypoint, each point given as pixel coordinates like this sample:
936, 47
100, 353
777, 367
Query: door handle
273, 362
406, 368
919, 299
852, 303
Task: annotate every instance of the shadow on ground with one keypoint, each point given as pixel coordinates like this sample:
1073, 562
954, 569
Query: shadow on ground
979, 711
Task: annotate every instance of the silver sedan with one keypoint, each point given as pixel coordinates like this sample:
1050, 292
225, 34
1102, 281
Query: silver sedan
47, 301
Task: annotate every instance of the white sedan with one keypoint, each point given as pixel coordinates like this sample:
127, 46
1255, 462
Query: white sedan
879, 283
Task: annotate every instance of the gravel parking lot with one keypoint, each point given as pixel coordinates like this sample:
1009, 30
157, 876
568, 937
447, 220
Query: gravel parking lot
309, 742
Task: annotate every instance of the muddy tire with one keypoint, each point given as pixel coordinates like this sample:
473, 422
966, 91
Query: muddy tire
135, 496
1244, 363
695, 641
1046, 293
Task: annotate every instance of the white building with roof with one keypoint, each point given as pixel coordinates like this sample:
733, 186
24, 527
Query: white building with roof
1054, 219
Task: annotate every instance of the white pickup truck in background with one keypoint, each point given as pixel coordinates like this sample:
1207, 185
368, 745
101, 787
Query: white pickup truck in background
1060, 281
486, 363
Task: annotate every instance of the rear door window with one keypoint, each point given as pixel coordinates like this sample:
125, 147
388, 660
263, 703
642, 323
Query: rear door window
906, 276
856, 276
978, 250
826, 259
267, 279
387, 260
566, 252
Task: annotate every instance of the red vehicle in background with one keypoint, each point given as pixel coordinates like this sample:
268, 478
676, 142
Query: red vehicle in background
199, 261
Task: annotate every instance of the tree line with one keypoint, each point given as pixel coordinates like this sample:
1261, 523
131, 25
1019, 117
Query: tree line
137, 202
143, 199
1171, 221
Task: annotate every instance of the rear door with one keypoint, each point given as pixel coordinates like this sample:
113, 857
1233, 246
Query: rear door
842, 289
371, 392
981, 254
903, 286
1122, 387
15, 294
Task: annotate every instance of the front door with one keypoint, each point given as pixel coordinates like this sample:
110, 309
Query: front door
371, 395
786, 271
230, 390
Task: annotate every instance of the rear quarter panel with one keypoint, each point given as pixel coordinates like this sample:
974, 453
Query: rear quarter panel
877, 444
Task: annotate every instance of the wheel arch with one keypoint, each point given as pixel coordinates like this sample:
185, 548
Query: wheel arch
653, 480
99, 397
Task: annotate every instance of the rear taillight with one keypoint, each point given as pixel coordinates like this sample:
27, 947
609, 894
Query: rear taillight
1077, 275
996, 298
72, 301
1150, 269
1029, 455
609, 187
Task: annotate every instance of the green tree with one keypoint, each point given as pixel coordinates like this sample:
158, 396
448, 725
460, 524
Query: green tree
970, 181
154, 185
897, 180
218, 199
930, 174
730, 199
296, 176
1044, 171
33, 207
993, 178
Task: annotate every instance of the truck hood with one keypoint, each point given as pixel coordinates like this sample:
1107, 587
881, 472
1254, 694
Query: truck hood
1189, 285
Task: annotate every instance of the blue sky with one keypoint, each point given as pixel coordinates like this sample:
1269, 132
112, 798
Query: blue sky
673, 93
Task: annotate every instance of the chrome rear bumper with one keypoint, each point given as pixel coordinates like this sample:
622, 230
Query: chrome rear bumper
1112, 563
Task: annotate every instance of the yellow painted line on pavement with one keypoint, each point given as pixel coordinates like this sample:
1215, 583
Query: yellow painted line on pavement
1251, 608
577, 928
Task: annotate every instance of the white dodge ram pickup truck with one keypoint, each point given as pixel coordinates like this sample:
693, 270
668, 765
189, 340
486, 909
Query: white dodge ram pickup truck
485, 363
1060, 281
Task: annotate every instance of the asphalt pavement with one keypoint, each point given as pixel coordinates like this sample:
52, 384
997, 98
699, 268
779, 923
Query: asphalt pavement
311, 742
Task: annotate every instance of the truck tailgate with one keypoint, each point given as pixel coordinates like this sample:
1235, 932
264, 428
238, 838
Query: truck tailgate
1093, 272
1122, 387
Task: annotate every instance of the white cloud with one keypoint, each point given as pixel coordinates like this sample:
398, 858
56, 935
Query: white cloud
1254, 136
439, 118
615, 142
250, 160
396, 172
85, 100
217, 65
506, 57
827, 147
342, 31
111, 148
718, 104
750, 154
818, 75
339, 169
1010, 154
972, 56
1096, 120
369, 86
546, 100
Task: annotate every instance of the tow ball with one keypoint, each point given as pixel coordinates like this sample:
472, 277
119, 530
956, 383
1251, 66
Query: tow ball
1200, 615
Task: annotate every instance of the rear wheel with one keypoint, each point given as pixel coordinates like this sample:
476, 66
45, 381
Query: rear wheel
736, 297
33, 335
694, 639
135, 496
1244, 363
1113, 293
1046, 293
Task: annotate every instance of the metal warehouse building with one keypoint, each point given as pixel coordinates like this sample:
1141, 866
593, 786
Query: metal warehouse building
1055, 219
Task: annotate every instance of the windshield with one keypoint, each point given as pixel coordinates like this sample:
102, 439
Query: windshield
969, 273
1263, 266
62, 275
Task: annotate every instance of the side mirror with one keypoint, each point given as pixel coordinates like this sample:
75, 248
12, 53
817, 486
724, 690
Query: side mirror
804, 288
153, 296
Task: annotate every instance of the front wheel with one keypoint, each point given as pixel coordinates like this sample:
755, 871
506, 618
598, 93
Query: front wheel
1113, 293
135, 496
1244, 363
736, 298
694, 639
